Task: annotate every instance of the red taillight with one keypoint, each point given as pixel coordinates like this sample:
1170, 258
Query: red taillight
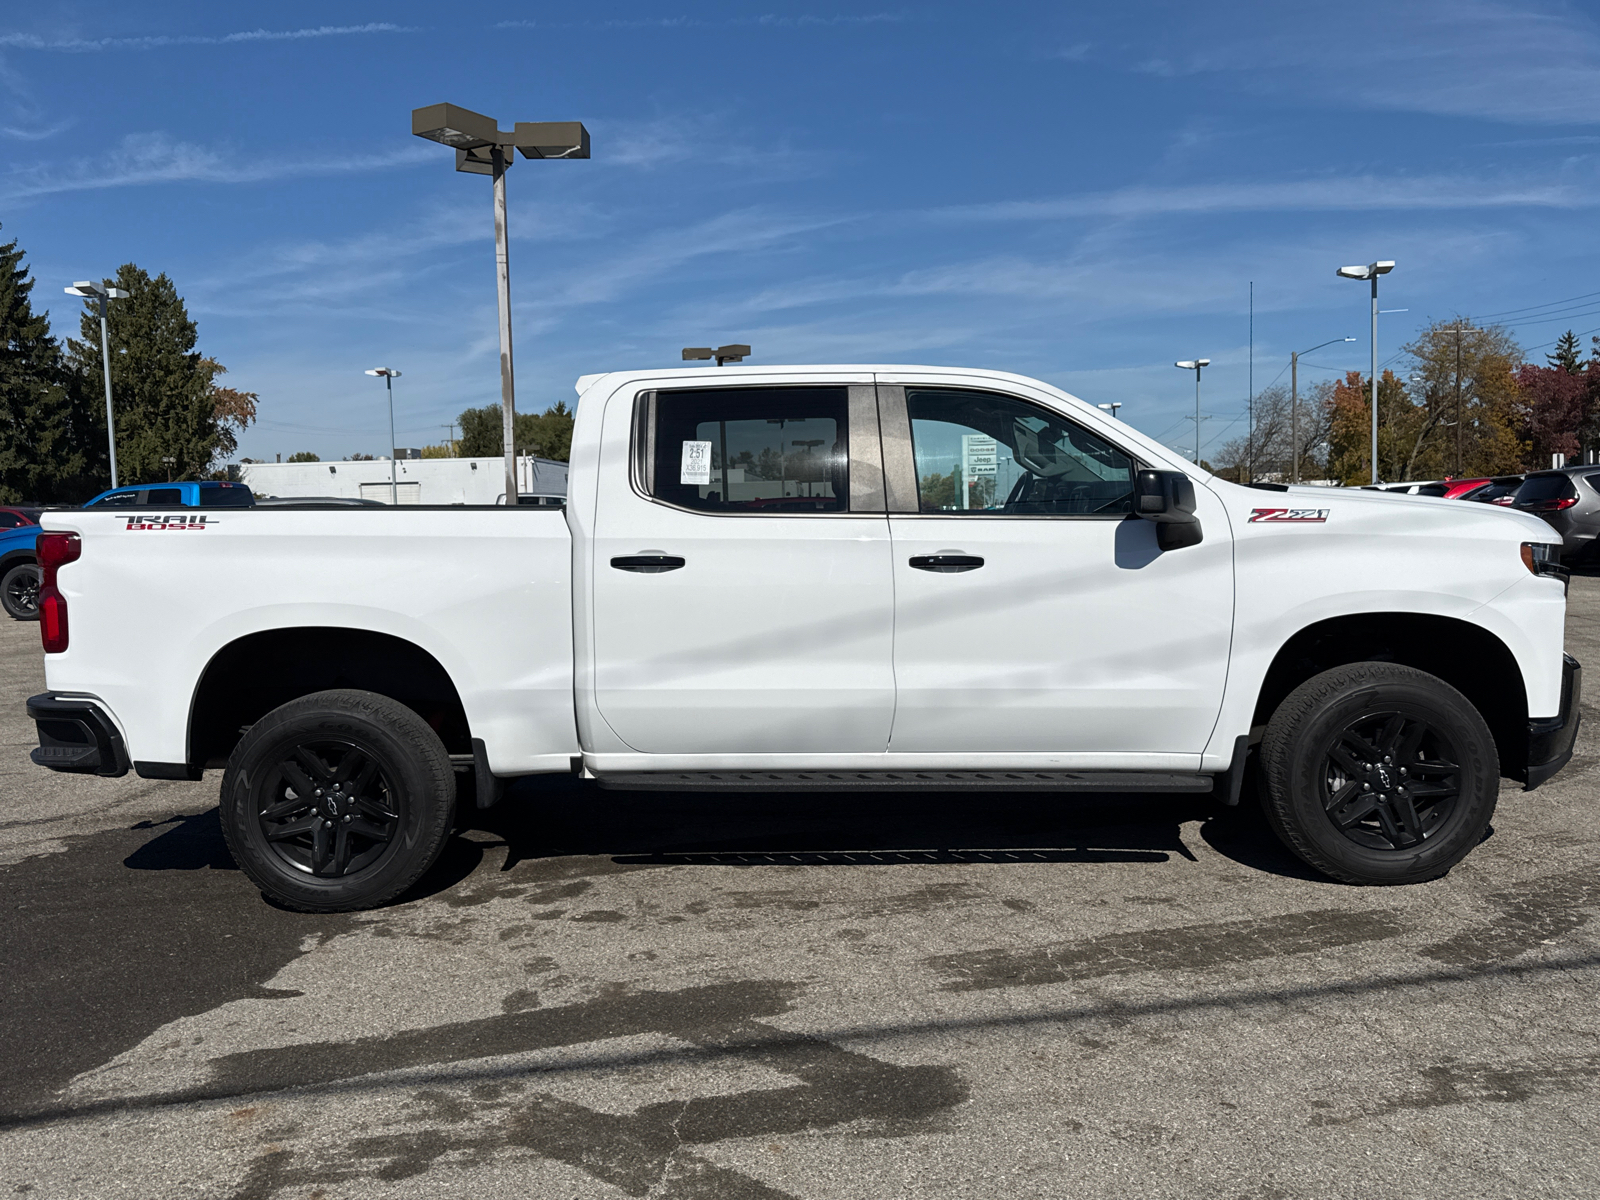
1552, 505
55, 550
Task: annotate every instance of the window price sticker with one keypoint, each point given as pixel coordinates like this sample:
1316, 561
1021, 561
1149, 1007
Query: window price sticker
696, 463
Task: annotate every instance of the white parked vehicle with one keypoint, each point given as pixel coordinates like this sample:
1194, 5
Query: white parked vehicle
810, 578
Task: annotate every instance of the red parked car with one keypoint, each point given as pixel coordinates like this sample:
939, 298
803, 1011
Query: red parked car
11, 516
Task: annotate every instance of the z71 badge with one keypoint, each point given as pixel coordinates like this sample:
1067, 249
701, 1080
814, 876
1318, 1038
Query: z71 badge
1315, 515
176, 521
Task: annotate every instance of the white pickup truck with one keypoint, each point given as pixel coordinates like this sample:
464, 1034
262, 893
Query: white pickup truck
804, 578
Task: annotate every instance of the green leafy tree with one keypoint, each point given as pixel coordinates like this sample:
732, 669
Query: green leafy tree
43, 423
168, 403
304, 456
544, 435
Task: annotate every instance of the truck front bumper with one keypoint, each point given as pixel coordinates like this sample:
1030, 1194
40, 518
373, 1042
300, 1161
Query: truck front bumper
76, 735
1550, 738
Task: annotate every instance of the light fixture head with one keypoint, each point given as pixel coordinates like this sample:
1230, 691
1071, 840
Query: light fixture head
1382, 268
550, 139
1349, 339
87, 288
1353, 272
697, 353
1192, 364
727, 354
390, 372
451, 125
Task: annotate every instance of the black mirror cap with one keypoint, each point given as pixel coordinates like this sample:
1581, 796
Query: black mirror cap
1171, 536
1164, 496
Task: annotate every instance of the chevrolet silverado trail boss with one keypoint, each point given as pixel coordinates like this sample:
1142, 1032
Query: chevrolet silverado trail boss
807, 578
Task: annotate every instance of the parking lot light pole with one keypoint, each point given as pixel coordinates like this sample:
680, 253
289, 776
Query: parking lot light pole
482, 148
1194, 364
1111, 408
1294, 403
89, 290
389, 376
1372, 271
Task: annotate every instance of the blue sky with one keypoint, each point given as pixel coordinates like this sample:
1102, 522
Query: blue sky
1080, 193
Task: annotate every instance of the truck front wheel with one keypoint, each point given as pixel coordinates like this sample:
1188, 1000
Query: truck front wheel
336, 801
1375, 773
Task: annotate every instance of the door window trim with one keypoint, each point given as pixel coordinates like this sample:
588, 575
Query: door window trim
900, 461
865, 452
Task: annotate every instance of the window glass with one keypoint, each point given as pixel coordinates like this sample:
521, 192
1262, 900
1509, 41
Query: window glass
117, 500
757, 450
1545, 487
978, 452
9, 520
164, 496
227, 497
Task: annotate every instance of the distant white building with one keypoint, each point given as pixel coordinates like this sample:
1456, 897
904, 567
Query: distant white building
420, 480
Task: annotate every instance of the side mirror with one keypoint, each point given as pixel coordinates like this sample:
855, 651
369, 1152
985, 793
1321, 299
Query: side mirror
1167, 498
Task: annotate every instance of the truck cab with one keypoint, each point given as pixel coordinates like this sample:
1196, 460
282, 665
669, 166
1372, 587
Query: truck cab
204, 494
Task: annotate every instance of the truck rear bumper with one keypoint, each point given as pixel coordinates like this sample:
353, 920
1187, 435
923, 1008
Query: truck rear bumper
76, 735
1550, 739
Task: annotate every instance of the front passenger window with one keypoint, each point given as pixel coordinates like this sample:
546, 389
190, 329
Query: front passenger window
984, 453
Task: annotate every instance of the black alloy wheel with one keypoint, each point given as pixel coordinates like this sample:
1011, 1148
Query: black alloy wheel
19, 591
1391, 780
331, 811
1377, 773
337, 801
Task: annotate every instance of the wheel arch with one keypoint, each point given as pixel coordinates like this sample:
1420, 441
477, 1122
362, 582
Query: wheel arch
1470, 658
14, 557
256, 672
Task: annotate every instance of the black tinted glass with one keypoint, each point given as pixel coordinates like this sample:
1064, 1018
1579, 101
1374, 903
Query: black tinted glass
1545, 487
164, 496
978, 452
227, 497
755, 450
9, 520
117, 500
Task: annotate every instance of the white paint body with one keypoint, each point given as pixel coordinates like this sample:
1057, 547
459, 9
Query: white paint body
796, 641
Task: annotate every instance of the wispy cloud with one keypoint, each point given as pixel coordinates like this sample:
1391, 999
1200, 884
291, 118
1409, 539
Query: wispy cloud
768, 20
150, 158
77, 45
1473, 58
1349, 193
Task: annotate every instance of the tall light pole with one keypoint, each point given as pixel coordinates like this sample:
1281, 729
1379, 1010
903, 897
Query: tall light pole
1294, 403
1372, 271
87, 289
389, 376
1194, 364
482, 148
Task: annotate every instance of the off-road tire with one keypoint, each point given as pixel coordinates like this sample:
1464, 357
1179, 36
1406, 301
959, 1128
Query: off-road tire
293, 853
13, 588
1302, 779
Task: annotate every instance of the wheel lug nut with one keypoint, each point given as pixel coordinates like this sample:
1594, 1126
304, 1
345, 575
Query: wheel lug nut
1366, 787
1381, 797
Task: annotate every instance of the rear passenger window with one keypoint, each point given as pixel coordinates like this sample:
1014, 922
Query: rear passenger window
777, 451
227, 497
117, 500
163, 497
9, 520
982, 453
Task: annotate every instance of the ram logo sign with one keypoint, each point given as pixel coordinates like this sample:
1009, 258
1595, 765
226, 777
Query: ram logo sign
1314, 515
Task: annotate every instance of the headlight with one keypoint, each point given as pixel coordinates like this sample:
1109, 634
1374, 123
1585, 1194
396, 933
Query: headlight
1544, 558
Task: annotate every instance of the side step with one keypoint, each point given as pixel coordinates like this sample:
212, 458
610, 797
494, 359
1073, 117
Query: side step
909, 781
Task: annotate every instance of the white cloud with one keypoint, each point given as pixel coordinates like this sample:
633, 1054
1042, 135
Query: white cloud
149, 158
77, 45
762, 20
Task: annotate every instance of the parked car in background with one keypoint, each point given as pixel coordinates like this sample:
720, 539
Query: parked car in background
1502, 489
19, 571
1462, 489
207, 494
316, 502
11, 516
1425, 488
1568, 500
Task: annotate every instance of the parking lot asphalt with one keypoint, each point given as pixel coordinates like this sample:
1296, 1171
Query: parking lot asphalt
695, 997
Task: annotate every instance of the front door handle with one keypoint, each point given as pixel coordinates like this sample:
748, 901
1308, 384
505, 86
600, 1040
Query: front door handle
946, 564
647, 564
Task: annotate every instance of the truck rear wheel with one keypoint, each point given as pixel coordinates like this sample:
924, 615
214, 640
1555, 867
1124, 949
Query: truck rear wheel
337, 801
19, 592
1375, 773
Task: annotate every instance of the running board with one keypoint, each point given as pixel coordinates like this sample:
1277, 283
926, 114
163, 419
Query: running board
909, 781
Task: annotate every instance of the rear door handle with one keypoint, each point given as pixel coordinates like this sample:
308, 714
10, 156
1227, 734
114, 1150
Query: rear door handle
647, 564
946, 564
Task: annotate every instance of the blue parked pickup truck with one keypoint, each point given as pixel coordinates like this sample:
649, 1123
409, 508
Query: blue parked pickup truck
176, 495
19, 560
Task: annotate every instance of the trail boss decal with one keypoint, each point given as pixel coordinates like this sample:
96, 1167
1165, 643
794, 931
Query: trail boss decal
1314, 515
178, 521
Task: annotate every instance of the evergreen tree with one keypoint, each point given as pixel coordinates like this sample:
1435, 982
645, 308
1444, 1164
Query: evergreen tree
38, 458
1566, 355
163, 389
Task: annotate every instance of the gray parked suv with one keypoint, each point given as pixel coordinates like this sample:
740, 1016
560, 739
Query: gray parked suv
1569, 500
